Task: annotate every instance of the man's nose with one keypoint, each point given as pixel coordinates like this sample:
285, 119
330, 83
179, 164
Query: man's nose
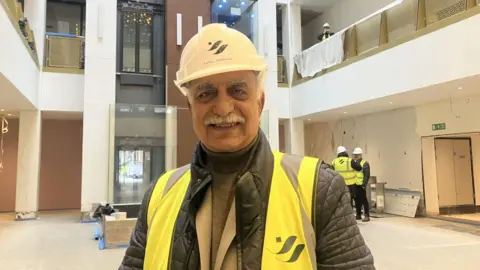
223, 103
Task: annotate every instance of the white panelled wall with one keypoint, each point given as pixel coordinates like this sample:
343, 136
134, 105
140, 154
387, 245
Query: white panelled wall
100, 68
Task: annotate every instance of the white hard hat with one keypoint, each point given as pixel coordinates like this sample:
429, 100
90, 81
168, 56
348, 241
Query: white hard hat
341, 149
217, 49
326, 25
357, 151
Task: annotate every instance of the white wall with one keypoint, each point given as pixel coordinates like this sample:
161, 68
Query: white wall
99, 93
267, 45
36, 12
282, 101
16, 64
388, 139
343, 14
62, 92
393, 71
392, 142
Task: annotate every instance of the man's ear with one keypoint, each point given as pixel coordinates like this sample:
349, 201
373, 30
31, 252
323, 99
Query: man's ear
188, 104
261, 102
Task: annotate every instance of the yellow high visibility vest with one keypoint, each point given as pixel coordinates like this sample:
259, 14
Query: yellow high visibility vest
289, 215
343, 166
359, 180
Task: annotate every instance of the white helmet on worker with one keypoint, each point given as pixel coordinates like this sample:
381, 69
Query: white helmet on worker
357, 151
341, 149
326, 25
218, 49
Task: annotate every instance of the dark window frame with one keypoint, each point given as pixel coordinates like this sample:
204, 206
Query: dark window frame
82, 11
150, 11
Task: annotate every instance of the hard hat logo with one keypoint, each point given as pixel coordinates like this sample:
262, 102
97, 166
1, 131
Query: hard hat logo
215, 46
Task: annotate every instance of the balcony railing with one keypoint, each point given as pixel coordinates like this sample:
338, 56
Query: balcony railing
282, 71
64, 53
380, 31
15, 12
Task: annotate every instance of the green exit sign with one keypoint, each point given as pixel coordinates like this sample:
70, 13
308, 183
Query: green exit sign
440, 126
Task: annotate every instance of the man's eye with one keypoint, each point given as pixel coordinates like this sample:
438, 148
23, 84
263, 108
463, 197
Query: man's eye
239, 92
204, 95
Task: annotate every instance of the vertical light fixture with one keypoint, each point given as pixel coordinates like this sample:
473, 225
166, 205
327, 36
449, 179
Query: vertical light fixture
179, 29
200, 23
100, 20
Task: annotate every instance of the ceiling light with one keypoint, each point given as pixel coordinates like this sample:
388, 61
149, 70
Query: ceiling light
309, 119
344, 112
460, 88
9, 114
1, 110
391, 102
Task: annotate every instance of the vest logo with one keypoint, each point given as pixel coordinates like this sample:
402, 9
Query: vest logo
341, 161
217, 47
287, 247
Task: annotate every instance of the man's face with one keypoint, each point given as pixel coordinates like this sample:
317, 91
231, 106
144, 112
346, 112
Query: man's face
357, 157
326, 29
226, 110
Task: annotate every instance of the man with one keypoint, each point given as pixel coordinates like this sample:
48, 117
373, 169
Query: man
362, 178
326, 33
239, 205
347, 168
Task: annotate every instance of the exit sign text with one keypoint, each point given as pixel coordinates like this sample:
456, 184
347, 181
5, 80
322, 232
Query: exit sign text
440, 126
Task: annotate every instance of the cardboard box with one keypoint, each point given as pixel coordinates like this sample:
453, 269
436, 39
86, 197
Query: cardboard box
117, 232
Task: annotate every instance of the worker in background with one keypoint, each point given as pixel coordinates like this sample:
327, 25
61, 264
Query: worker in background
362, 181
347, 168
326, 33
240, 205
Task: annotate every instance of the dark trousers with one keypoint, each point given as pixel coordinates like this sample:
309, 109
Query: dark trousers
361, 200
353, 192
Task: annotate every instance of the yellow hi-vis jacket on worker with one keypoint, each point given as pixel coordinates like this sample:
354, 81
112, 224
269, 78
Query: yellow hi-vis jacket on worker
359, 175
289, 210
343, 166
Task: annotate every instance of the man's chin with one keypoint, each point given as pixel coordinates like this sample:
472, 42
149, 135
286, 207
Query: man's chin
226, 145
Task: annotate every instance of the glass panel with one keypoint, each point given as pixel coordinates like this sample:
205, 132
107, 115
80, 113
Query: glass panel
238, 14
144, 144
145, 28
402, 19
129, 40
63, 18
368, 34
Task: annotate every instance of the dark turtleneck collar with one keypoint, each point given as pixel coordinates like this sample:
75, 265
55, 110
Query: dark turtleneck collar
343, 154
226, 162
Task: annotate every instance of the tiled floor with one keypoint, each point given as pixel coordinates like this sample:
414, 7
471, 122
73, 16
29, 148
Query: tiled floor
61, 243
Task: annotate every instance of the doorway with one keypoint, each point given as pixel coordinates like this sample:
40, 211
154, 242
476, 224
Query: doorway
453, 158
136, 167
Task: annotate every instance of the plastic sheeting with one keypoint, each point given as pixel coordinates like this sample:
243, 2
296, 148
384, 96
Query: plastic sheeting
320, 56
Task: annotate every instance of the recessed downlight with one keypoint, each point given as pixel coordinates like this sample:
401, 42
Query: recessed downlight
309, 119
460, 88
1, 110
391, 102
345, 112
9, 114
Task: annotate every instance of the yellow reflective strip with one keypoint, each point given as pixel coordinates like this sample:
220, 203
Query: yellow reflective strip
306, 180
157, 253
157, 195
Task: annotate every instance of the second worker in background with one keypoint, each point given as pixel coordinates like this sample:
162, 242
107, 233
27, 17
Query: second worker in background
361, 186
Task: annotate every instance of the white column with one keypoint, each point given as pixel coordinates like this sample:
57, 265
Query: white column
100, 69
28, 165
294, 137
267, 40
171, 138
291, 35
36, 13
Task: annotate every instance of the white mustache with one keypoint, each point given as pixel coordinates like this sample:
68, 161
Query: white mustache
222, 120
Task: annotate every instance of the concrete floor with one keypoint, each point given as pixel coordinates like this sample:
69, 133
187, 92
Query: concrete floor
61, 243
